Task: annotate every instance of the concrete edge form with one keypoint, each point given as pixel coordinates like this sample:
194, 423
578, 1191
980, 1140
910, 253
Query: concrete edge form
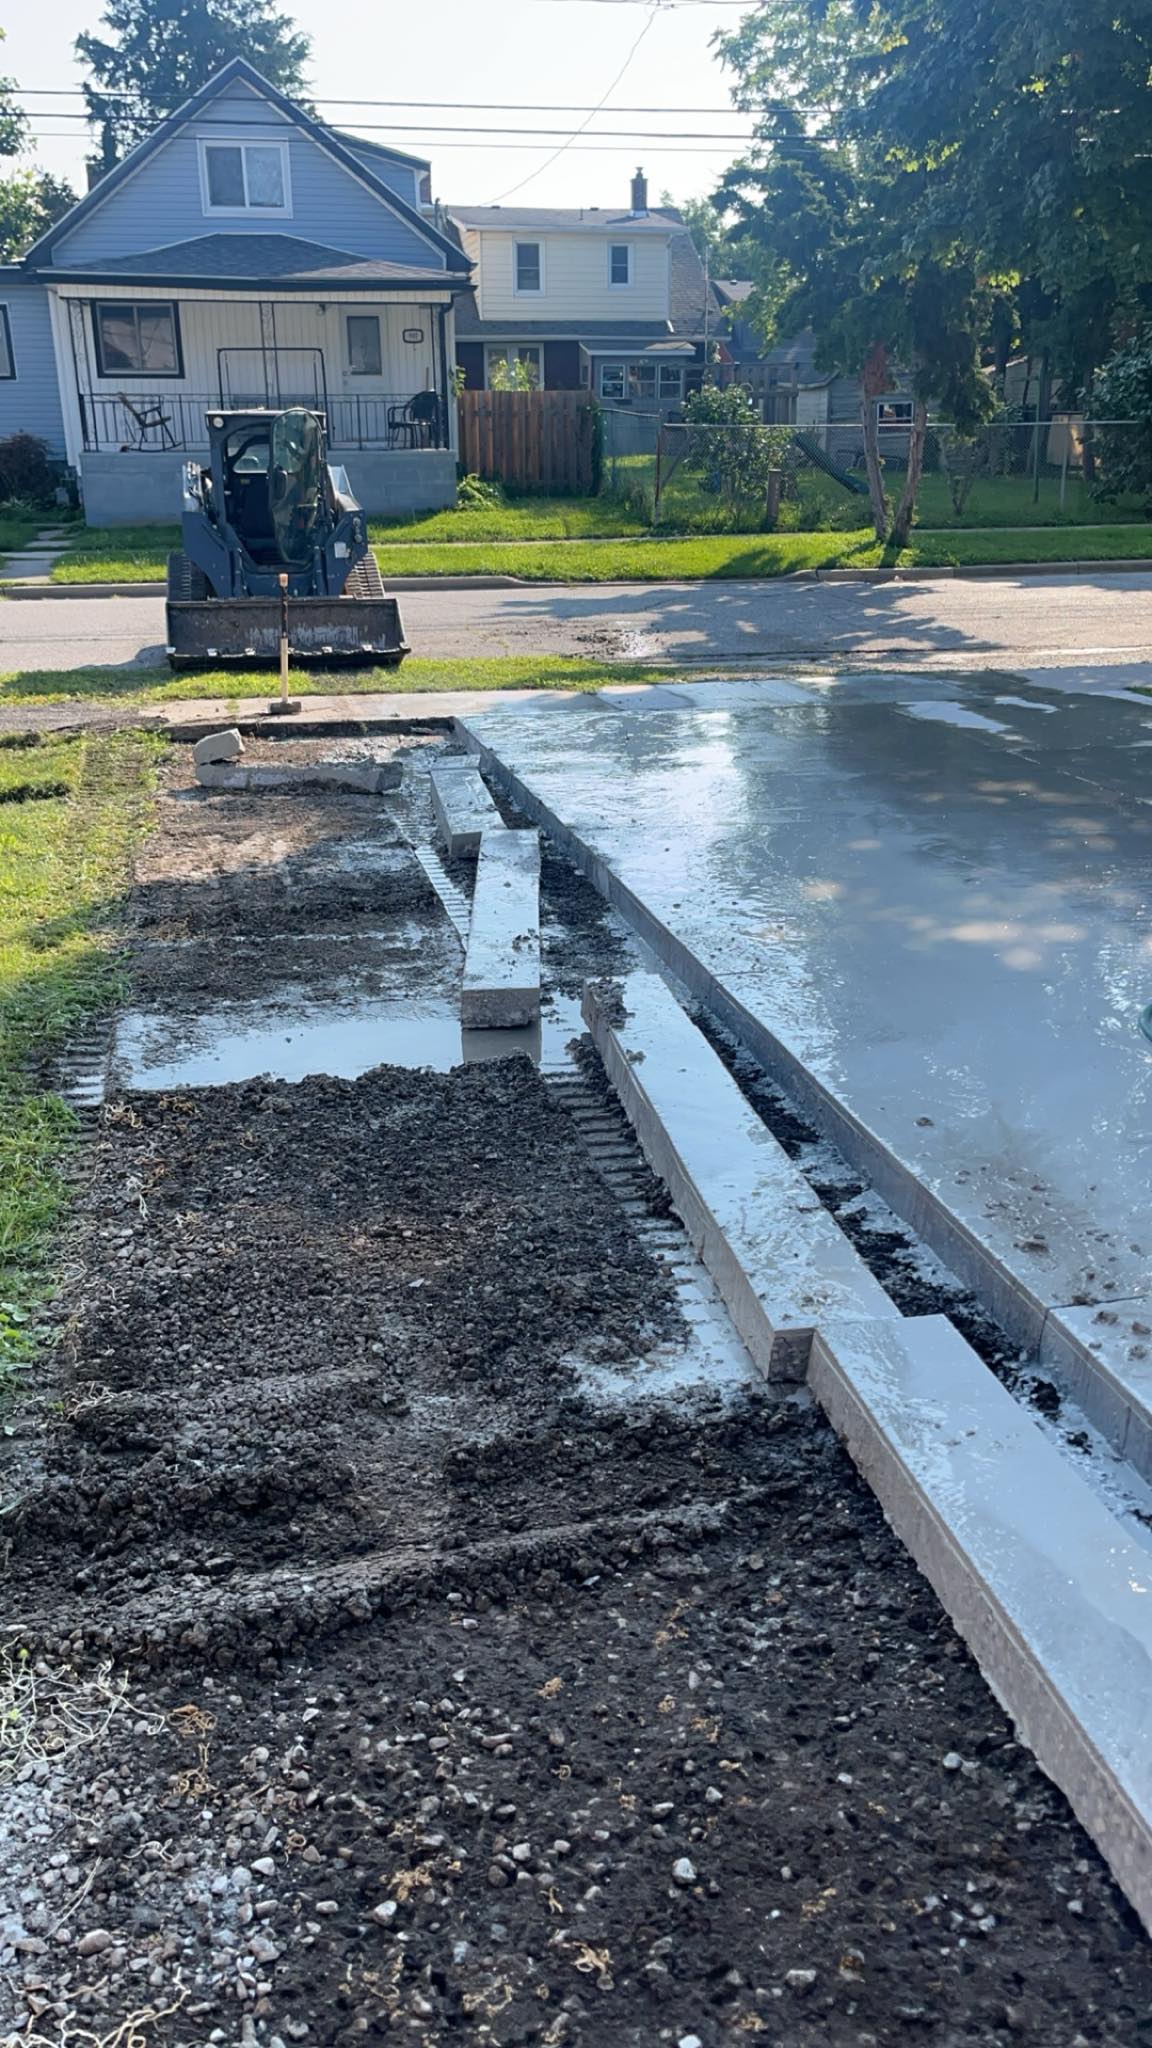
1034, 1571
501, 984
461, 806
779, 1260
1007, 1296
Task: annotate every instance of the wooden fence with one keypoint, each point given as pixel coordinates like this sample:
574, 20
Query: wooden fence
545, 438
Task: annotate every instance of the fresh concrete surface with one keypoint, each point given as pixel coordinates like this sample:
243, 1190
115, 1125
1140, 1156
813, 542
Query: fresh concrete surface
1035, 621
1103, 1355
779, 1261
461, 806
1051, 1596
501, 988
921, 905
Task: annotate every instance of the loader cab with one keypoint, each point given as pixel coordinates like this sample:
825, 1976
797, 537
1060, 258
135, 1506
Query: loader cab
269, 483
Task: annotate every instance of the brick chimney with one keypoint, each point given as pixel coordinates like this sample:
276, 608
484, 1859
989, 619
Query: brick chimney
639, 192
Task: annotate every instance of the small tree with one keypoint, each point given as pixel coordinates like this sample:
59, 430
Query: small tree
729, 443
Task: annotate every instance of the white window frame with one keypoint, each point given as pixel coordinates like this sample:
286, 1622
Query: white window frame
901, 409
620, 284
244, 143
529, 291
7, 351
619, 372
512, 352
667, 370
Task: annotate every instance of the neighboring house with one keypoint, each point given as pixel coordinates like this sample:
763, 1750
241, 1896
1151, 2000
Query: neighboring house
793, 392
244, 254
612, 302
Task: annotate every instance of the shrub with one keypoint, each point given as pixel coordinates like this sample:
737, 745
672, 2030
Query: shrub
1123, 391
473, 490
27, 470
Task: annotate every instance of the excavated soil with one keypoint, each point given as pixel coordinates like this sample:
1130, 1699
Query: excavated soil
468, 1698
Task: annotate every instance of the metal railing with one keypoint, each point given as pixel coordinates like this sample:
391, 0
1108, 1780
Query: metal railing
160, 422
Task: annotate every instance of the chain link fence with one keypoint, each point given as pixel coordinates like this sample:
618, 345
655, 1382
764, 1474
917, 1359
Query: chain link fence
1064, 471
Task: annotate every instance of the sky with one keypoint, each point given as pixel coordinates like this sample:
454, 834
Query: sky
535, 53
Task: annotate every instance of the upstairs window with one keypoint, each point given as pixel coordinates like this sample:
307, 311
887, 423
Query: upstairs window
364, 359
7, 359
620, 263
244, 177
137, 340
529, 268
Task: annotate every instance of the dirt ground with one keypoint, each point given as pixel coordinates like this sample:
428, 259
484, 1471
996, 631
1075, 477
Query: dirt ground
378, 1670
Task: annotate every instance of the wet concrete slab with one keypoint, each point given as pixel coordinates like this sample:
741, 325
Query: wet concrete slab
502, 964
935, 932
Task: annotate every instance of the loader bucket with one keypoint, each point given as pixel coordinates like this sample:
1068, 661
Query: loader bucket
339, 631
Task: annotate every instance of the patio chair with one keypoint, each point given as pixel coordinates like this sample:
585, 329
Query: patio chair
418, 422
147, 419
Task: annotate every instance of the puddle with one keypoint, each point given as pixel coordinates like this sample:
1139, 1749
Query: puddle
957, 714
159, 1050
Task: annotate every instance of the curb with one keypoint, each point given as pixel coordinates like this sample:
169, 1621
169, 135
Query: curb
1010, 572
25, 591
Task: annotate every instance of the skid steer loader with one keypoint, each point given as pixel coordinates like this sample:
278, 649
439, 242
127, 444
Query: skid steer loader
267, 504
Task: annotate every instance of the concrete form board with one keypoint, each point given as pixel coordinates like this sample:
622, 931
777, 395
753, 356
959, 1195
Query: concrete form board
1037, 1575
1102, 1355
501, 986
779, 1260
462, 806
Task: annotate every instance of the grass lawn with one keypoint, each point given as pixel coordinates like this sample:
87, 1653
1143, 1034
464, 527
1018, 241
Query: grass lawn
762, 555
65, 862
16, 533
159, 685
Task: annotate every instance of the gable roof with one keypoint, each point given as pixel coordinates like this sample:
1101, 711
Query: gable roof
239, 71
239, 262
396, 156
564, 217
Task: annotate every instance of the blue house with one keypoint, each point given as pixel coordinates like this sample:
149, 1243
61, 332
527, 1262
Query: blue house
245, 254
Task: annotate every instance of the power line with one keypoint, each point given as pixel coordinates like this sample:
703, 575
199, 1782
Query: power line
75, 92
471, 128
557, 153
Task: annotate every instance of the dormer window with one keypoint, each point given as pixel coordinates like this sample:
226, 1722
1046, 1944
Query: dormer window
619, 263
244, 177
529, 268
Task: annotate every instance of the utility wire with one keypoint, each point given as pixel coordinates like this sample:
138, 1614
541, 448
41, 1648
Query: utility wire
586, 123
75, 92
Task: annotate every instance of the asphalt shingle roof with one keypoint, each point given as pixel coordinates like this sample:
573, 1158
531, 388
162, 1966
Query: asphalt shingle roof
256, 260
657, 217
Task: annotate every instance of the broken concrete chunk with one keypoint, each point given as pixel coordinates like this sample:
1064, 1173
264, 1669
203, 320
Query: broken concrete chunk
462, 806
502, 965
364, 778
218, 746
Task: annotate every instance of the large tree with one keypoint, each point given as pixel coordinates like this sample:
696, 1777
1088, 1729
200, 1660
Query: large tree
13, 123
155, 53
31, 201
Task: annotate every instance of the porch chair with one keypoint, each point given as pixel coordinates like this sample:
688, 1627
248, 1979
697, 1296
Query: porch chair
147, 419
418, 422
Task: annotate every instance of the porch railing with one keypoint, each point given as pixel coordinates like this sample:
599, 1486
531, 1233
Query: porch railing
160, 422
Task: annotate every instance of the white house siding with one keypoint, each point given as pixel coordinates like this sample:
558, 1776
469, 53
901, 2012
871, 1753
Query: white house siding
30, 401
162, 203
575, 275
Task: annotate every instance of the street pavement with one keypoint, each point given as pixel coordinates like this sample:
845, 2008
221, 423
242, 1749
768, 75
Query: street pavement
1040, 621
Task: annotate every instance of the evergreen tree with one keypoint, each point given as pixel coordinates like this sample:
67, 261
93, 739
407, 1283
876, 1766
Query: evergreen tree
156, 53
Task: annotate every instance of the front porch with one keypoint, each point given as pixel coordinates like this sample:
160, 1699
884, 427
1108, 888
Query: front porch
144, 367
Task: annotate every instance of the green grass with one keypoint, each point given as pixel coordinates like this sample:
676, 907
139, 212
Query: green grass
157, 685
16, 533
34, 773
518, 519
64, 865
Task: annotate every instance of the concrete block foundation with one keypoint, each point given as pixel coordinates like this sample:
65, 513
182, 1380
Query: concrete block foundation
501, 987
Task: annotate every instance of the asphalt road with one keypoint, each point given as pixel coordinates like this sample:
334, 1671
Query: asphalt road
1036, 621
